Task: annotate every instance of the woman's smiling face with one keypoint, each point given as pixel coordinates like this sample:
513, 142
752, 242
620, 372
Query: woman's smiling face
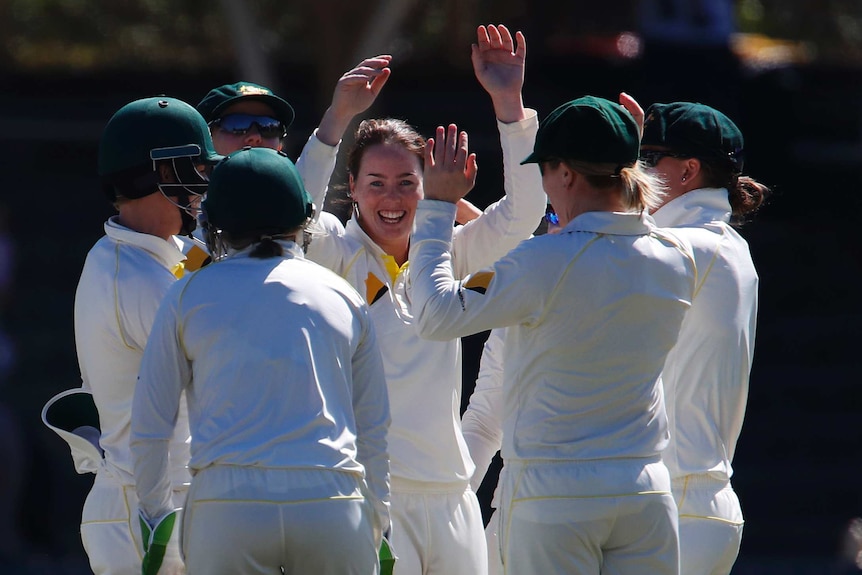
386, 188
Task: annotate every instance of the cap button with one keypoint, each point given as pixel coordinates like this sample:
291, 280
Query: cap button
163, 103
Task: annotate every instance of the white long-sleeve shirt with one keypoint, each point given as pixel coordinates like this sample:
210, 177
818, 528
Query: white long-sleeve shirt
706, 373
424, 377
125, 276
280, 364
592, 313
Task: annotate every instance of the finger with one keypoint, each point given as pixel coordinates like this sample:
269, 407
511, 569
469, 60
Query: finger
380, 80
506, 38
429, 153
440, 148
471, 170
376, 61
634, 109
482, 38
461, 152
452, 143
363, 77
494, 37
521, 50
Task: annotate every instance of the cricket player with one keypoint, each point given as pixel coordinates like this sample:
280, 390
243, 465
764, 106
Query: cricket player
286, 395
699, 153
436, 520
592, 313
152, 159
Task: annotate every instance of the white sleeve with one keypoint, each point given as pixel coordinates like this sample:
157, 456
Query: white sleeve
315, 166
513, 218
482, 422
514, 290
371, 410
163, 375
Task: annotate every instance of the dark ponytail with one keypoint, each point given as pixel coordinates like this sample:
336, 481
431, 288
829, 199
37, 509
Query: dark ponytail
746, 194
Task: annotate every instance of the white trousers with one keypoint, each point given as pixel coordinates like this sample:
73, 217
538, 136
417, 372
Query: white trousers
110, 530
710, 525
437, 529
259, 521
492, 538
614, 517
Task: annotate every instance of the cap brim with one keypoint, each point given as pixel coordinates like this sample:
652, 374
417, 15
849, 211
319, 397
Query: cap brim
533, 158
212, 159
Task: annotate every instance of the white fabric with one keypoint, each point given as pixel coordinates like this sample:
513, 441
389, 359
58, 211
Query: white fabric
710, 525
592, 313
315, 165
280, 364
588, 517
706, 380
125, 276
424, 377
706, 374
482, 422
437, 530
312, 521
110, 530
492, 540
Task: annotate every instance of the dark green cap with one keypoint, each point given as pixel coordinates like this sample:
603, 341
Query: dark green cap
220, 98
695, 129
256, 190
152, 129
588, 129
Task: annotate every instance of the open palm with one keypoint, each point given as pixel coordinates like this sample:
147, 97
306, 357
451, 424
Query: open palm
497, 61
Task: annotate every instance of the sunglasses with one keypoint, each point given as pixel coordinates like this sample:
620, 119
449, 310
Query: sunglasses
551, 216
651, 158
240, 124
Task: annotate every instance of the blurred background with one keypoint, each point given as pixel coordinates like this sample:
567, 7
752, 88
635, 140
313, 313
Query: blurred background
788, 71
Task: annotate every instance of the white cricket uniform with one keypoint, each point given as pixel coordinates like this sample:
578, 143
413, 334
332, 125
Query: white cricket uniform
288, 410
592, 313
124, 278
706, 381
436, 520
120, 288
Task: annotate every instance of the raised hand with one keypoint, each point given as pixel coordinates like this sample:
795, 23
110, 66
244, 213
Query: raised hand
354, 93
450, 169
499, 66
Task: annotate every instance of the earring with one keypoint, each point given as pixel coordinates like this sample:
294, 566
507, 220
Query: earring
683, 178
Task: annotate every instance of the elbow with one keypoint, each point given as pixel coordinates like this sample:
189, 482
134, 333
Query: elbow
430, 324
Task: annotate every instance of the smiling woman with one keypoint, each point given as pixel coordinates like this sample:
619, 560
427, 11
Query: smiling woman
436, 519
385, 166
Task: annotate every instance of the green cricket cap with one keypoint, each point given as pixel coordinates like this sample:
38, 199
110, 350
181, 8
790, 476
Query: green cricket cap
218, 99
589, 129
256, 190
695, 129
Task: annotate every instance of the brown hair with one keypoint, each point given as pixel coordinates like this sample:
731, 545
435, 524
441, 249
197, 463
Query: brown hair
745, 193
389, 131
